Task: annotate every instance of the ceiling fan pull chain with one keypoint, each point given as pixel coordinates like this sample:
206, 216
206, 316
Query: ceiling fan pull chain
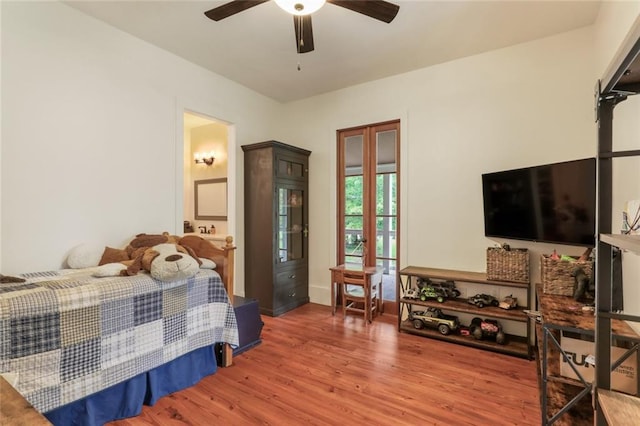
301, 26
301, 44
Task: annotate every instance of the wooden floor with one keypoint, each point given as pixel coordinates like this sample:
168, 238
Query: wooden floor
313, 368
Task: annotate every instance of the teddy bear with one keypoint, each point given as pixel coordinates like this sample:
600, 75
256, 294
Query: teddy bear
165, 262
89, 255
166, 257
203, 249
136, 247
144, 241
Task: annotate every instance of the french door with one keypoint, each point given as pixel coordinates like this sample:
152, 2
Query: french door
368, 200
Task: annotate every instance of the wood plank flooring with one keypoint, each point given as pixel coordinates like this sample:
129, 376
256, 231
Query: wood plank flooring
317, 369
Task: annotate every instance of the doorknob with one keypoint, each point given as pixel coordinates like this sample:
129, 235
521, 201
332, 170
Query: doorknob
305, 231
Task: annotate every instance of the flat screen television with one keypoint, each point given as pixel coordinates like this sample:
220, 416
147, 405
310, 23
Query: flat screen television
553, 203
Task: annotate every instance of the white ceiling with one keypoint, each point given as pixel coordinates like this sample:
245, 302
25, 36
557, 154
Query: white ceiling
257, 49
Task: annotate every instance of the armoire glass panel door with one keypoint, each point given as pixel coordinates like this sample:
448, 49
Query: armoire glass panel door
291, 225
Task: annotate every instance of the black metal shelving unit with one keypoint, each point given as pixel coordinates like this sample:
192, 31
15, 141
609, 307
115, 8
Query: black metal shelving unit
621, 81
564, 400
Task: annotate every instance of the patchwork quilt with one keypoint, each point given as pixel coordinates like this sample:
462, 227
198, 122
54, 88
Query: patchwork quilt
65, 334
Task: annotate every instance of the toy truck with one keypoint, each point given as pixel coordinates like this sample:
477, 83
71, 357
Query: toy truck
434, 318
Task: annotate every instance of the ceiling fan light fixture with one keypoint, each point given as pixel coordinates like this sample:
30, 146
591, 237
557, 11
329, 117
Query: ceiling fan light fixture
300, 7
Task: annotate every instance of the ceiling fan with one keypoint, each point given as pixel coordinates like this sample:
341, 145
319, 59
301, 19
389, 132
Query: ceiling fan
302, 9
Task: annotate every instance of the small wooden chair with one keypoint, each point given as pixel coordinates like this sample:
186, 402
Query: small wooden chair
360, 294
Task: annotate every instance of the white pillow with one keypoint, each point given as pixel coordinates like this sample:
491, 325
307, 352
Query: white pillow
207, 263
85, 255
109, 270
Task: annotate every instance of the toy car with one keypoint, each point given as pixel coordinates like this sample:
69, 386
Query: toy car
433, 317
448, 287
428, 292
490, 328
509, 302
412, 293
423, 282
481, 300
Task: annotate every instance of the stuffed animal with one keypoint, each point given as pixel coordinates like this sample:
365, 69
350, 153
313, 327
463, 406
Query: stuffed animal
166, 257
168, 262
88, 255
165, 262
85, 255
143, 241
203, 249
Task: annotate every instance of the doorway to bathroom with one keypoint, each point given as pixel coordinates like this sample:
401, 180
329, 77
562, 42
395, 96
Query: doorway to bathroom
206, 195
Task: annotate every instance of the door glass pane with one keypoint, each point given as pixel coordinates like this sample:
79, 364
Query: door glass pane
386, 211
386, 172
388, 278
353, 154
353, 175
386, 151
353, 236
290, 224
353, 195
386, 237
353, 199
386, 194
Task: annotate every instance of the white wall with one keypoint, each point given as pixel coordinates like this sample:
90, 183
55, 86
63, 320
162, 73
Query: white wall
188, 210
519, 106
92, 135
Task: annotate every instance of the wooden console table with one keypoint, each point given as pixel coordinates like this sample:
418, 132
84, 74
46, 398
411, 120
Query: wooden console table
566, 401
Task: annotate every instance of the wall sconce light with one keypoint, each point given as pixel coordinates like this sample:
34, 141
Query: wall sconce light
204, 157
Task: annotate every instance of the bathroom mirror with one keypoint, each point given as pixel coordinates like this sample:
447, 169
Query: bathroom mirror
211, 199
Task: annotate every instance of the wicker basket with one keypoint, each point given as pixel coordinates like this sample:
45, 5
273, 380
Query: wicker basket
557, 275
508, 265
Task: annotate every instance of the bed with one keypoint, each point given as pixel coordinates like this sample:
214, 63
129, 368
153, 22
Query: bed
87, 350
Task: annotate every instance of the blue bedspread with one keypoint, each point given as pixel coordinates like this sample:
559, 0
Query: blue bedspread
65, 334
